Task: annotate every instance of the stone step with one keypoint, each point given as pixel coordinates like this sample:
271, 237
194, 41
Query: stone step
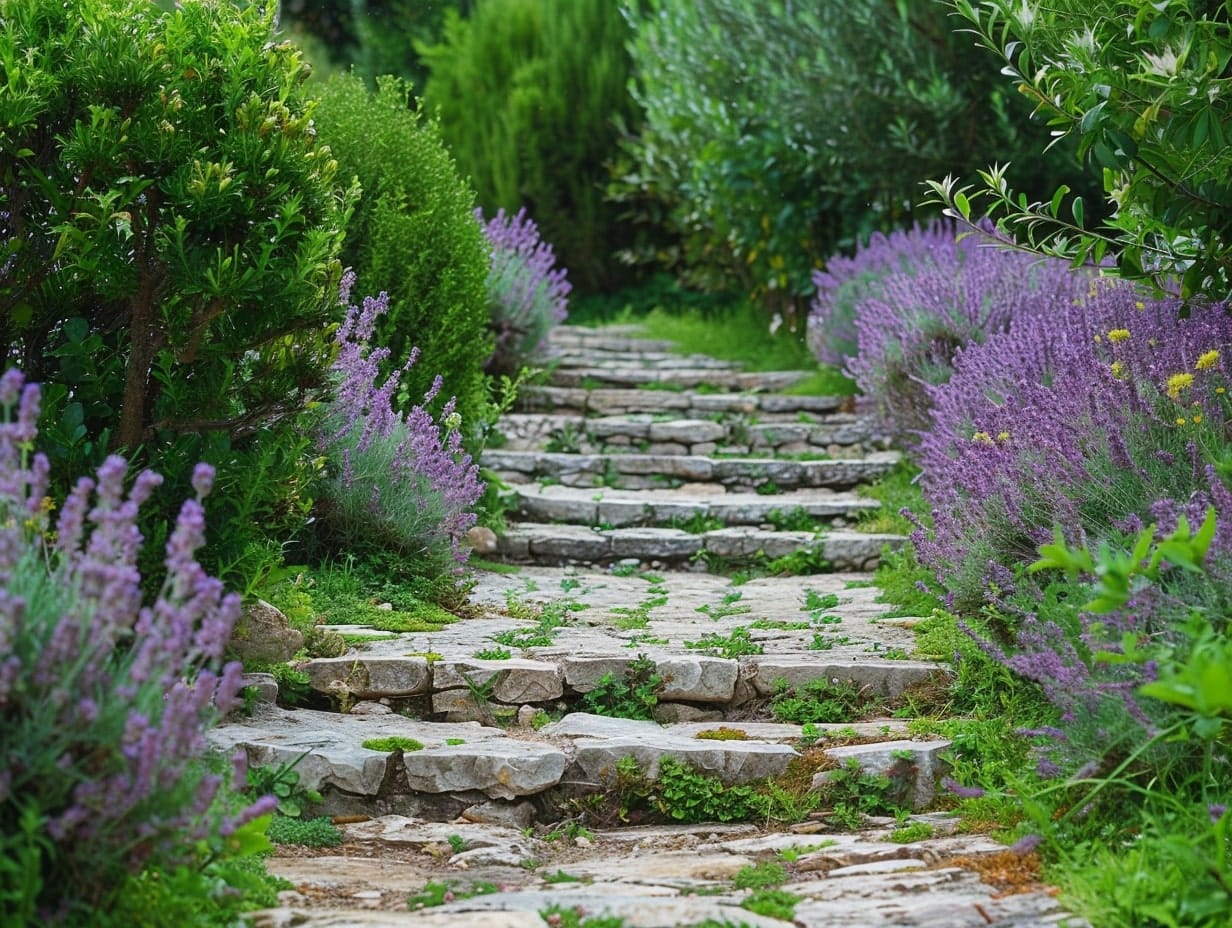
445, 770
835, 434
668, 360
537, 543
623, 508
644, 471
616, 401
594, 376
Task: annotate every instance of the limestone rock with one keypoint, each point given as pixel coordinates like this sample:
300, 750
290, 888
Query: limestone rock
369, 677
263, 633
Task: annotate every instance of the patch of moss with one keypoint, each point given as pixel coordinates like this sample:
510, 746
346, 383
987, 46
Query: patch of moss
394, 743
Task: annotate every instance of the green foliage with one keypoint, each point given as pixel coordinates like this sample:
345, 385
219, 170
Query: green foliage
819, 701
306, 832
736, 644
852, 794
765, 875
777, 132
457, 843
632, 695
435, 893
722, 733
413, 236
908, 834
389, 34
897, 490
531, 94
493, 654
1138, 85
282, 782
170, 237
773, 903
685, 795
819, 602
393, 743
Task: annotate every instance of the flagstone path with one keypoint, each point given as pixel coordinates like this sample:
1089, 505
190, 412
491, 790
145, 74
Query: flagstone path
638, 482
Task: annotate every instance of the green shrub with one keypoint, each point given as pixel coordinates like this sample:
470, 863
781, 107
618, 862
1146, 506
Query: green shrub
531, 94
307, 832
170, 231
776, 132
414, 237
1140, 86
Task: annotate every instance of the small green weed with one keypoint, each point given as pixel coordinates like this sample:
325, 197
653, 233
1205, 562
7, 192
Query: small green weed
764, 875
824, 642
697, 524
799, 563
393, 743
819, 701
454, 742
731, 646
779, 625
853, 794
793, 520
908, 834
561, 877
434, 894
723, 611
283, 783
493, 654
457, 843
819, 602
772, 903
632, 695
306, 832
792, 854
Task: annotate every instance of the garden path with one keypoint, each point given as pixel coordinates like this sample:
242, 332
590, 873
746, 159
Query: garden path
641, 484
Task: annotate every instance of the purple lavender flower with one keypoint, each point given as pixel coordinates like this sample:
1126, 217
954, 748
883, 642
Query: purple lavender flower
962, 792
527, 293
402, 481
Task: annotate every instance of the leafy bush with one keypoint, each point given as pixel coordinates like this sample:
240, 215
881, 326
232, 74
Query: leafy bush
914, 300
413, 235
170, 231
1140, 87
527, 293
398, 482
103, 698
775, 133
531, 94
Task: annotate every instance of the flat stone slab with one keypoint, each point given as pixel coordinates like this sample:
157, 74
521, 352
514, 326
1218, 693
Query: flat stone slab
501, 768
623, 508
617, 401
514, 681
369, 678
326, 747
598, 469
885, 678
565, 544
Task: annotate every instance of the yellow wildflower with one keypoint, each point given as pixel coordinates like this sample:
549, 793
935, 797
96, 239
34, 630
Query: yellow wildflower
982, 438
1118, 335
1220, 390
1118, 370
1152, 342
1003, 436
1206, 361
1139, 305
1197, 419
1180, 420
1179, 382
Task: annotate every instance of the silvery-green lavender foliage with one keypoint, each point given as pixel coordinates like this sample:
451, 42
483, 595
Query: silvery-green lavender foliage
527, 293
398, 481
104, 697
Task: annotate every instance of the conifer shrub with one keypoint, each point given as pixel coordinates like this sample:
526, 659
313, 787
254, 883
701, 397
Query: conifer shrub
170, 230
527, 293
413, 236
104, 694
397, 481
532, 95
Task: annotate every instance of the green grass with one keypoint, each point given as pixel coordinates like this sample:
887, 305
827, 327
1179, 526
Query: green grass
895, 491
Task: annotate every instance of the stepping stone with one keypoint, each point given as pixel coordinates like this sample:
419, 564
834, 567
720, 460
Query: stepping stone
570, 544
621, 508
610, 376
595, 469
696, 405
881, 678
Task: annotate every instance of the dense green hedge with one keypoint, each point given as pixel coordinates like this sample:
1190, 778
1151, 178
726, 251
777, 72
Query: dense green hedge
775, 133
530, 95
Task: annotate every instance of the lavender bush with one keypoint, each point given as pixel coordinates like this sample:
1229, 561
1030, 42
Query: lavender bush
398, 481
527, 293
912, 300
104, 698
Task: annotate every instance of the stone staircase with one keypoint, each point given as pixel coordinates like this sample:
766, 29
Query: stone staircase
628, 509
